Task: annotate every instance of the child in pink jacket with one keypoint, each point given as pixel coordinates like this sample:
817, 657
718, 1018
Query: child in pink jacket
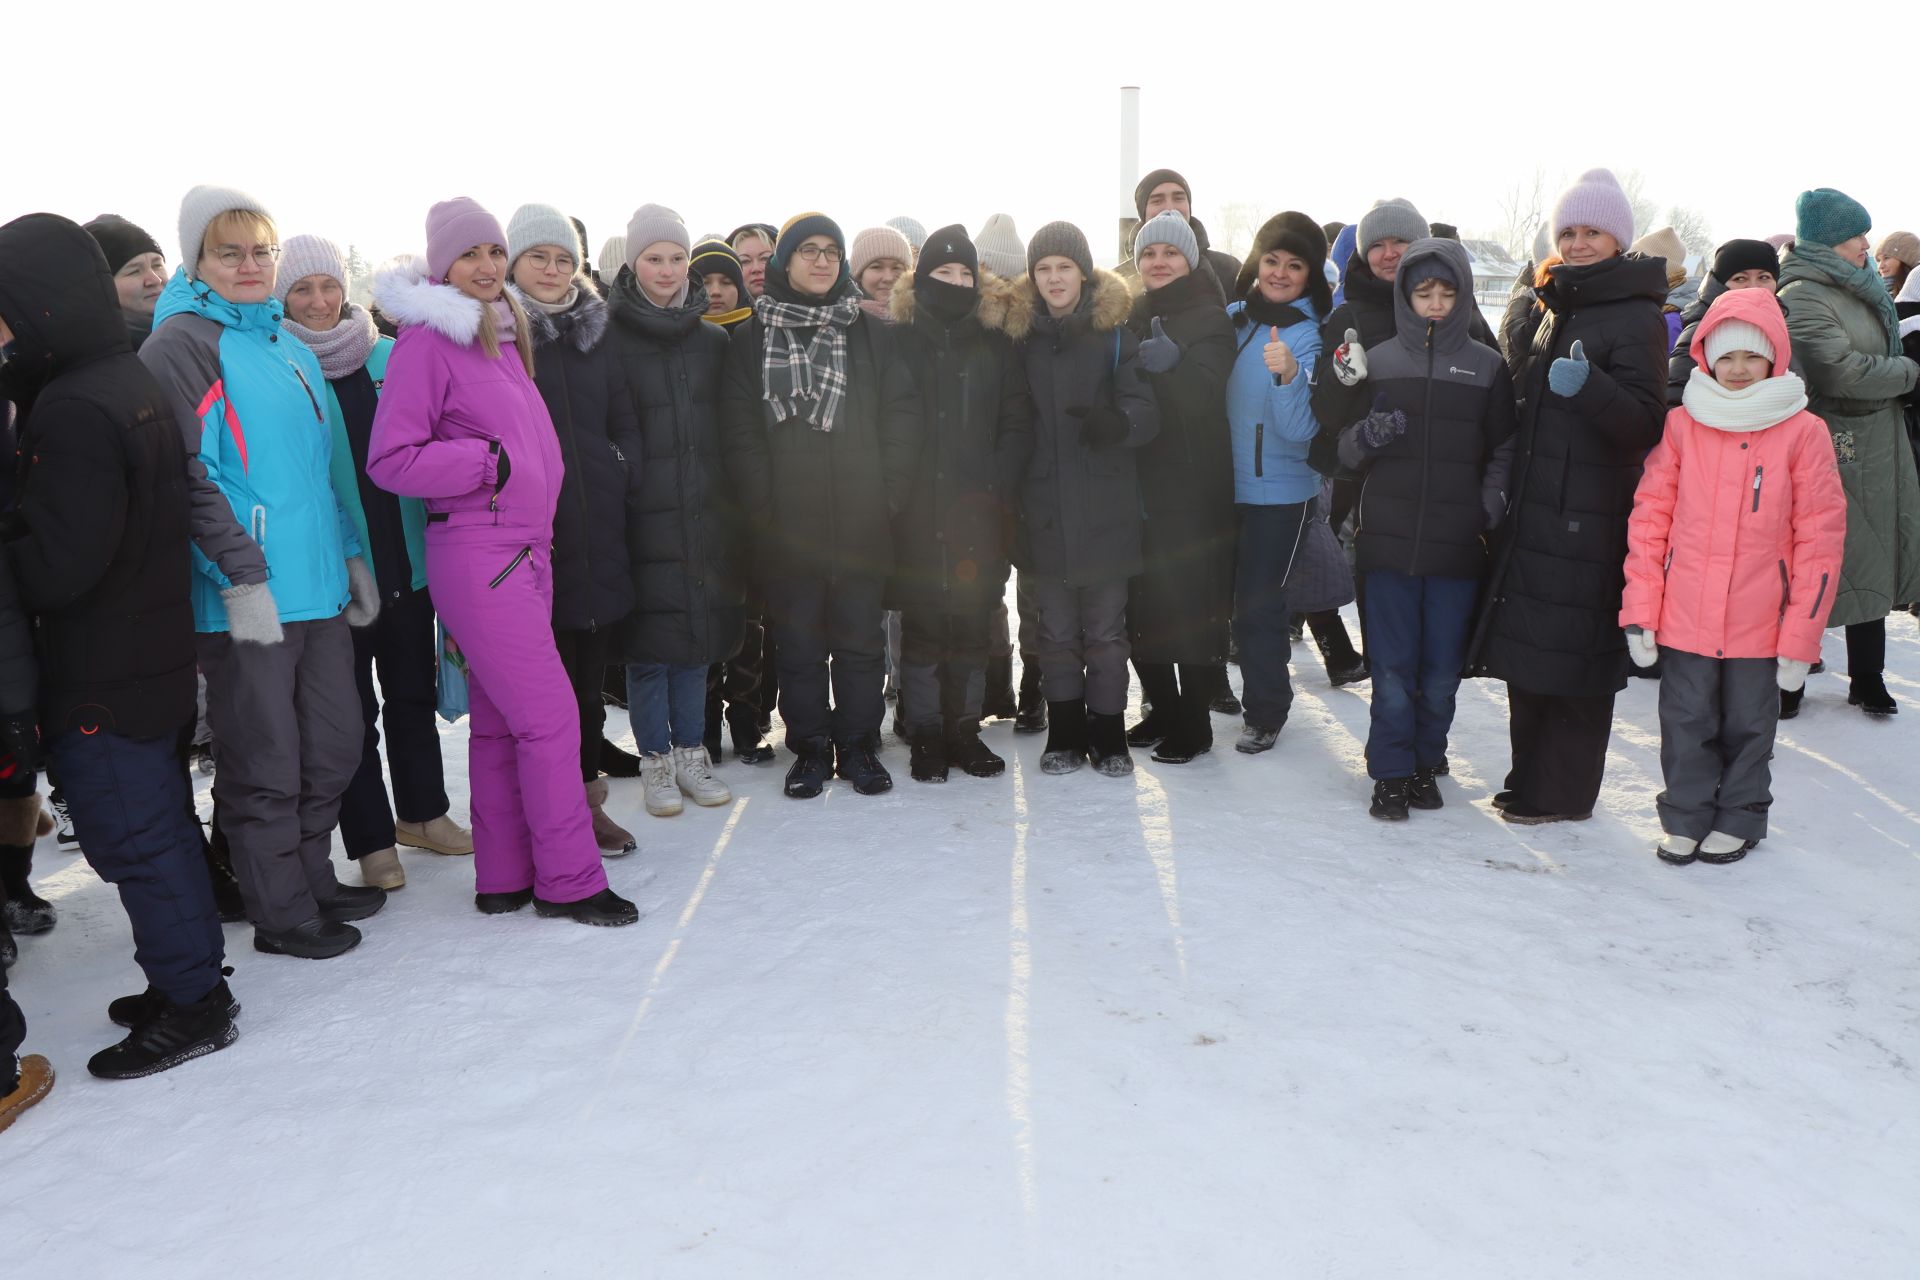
1733, 556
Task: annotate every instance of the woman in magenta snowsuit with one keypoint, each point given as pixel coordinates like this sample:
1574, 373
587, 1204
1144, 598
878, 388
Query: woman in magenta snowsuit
462, 425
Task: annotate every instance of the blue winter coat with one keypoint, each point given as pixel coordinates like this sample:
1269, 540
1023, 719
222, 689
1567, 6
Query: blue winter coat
250, 399
1272, 425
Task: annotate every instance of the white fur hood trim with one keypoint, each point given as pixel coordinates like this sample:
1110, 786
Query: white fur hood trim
406, 296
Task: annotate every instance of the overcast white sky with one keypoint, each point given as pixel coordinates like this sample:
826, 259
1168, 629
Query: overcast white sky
349, 118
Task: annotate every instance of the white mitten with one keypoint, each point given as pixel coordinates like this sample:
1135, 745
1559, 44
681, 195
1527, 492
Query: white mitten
1793, 673
1642, 646
252, 615
1350, 360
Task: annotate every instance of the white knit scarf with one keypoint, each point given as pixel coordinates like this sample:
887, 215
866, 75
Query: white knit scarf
1767, 403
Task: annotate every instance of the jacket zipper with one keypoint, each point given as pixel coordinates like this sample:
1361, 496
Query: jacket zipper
1667, 568
1426, 456
318, 416
1757, 472
515, 563
1786, 590
1815, 611
1259, 447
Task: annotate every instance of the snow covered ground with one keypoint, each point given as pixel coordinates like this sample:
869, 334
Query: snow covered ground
1213, 1021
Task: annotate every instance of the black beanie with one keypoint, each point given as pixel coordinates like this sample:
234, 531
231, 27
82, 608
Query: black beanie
1735, 256
715, 257
1443, 231
1300, 236
948, 244
1152, 180
120, 240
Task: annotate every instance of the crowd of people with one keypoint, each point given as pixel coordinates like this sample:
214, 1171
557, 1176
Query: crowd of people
790, 469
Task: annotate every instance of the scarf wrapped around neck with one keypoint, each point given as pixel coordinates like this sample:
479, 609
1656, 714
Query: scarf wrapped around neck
1863, 282
1767, 403
343, 349
806, 376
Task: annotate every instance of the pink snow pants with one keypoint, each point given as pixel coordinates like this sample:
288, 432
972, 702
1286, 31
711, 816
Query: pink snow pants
494, 593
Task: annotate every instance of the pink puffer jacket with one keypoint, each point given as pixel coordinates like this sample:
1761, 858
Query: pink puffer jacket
1734, 546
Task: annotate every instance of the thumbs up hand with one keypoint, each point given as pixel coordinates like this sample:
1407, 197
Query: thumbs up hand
1350, 360
1159, 353
1279, 358
1569, 373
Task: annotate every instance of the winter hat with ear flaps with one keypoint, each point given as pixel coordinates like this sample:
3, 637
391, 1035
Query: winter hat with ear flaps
303, 256
455, 226
1596, 200
1827, 217
533, 225
198, 208
1299, 235
1168, 227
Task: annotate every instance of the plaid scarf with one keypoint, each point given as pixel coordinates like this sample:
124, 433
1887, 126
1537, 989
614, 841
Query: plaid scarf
812, 375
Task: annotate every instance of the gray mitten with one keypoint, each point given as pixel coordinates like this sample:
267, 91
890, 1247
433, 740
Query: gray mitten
252, 615
363, 605
1159, 353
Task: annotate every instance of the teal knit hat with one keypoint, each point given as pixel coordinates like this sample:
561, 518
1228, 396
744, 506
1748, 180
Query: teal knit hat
1828, 217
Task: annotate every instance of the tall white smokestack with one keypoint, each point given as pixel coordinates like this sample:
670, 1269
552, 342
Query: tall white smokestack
1129, 165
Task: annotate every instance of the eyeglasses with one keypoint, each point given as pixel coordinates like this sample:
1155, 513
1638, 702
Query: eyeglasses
815, 252
542, 260
231, 256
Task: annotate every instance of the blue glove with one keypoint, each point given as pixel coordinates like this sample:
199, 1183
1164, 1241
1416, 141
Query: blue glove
1159, 354
1382, 427
1569, 373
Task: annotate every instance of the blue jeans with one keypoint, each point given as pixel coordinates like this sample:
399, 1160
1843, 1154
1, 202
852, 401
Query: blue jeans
1269, 541
1417, 633
667, 705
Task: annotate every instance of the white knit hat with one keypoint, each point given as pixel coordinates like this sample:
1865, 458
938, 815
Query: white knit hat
613, 256
303, 256
201, 206
1737, 335
538, 224
1000, 249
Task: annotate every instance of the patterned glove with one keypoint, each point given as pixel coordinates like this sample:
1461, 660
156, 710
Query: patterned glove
1382, 427
1350, 360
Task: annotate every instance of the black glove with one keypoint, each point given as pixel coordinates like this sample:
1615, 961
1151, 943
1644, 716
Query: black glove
1101, 425
19, 746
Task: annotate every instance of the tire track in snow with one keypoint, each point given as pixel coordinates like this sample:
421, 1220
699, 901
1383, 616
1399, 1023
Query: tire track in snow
1019, 984
673, 949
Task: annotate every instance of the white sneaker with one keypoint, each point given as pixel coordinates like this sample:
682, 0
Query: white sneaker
656, 774
694, 772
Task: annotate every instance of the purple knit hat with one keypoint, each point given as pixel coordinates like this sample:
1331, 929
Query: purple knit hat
455, 226
1595, 200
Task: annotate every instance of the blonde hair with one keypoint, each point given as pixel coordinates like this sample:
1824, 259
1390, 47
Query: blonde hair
238, 227
522, 335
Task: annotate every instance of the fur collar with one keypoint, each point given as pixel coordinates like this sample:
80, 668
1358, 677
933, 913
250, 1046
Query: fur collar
405, 295
996, 297
1112, 302
586, 321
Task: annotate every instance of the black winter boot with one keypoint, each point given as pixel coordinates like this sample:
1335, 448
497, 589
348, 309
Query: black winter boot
859, 763
500, 904
1066, 748
228, 902
1192, 728
1344, 664
1866, 669
350, 902
1223, 701
968, 754
1000, 702
131, 1011
1390, 799
748, 742
169, 1035
315, 939
928, 762
605, 908
617, 762
1160, 695
812, 766
1032, 714
26, 912
1107, 743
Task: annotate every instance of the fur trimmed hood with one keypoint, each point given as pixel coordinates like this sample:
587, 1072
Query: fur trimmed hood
1112, 303
586, 319
996, 299
405, 293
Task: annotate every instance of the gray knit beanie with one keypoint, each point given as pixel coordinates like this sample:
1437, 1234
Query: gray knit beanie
200, 207
538, 224
915, 233
1000, 248
303, 256
1169, 226
652, 223
1056, 238
1393, 219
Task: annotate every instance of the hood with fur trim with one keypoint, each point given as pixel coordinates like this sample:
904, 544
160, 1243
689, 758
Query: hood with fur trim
1112, 303
586, 319
996, 299
405, 293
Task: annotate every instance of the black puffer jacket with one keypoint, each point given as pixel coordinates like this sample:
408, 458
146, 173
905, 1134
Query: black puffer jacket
1550, 622
593, 417
951, 539
19, 674
1180, 606
821, 503
1422, 502
99, 543
682, 538
1079, 505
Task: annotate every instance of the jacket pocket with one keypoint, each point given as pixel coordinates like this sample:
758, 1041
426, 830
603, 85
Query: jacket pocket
513, 564
1786, 589
1817, 599
1259, 448
1759, 474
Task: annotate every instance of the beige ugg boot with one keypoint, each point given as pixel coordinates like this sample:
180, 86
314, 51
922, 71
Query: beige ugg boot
435, 835
614, 840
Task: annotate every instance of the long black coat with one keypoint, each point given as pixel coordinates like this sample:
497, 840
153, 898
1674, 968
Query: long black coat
1180, 606
682, 536
577, 377
821, 503
1550, 622
99, 544
951, 540
1079, 505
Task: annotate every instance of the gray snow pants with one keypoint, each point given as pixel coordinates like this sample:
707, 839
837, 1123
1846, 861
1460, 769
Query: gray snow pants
287, 736
1717, 717
1083, 642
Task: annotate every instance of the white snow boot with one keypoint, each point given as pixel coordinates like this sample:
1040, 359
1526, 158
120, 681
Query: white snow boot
693, 771
1678, 850
663, 793
1719, 848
